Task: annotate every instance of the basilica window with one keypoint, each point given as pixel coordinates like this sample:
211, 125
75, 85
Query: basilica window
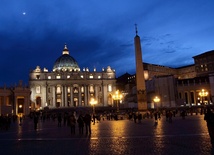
91, 76
69, 90
81, 76
38, 89
82, 89
49, 77
58, 77
68, 76
91, 89
99, 77
109, 88
58, 90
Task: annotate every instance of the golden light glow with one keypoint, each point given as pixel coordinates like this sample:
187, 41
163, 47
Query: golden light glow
93, 101
156, 99
203, 93
117, 95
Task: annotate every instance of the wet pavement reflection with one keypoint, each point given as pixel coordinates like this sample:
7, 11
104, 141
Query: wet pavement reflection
122, 137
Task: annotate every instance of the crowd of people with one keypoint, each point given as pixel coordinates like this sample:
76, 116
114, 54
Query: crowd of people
82, 121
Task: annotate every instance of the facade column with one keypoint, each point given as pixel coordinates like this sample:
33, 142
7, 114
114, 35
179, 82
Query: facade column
66, 96
85, 95
54, 97
88, 92
96, 93
26, 104
105, 95
71, 96
79, 96
62, 96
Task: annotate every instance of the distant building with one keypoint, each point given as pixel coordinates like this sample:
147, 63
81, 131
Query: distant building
67, 86
204, 63
175, 87
15, 100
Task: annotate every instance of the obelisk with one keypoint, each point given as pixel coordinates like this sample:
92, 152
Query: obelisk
140, 80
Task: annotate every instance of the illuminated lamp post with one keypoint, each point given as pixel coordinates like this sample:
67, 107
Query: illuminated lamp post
117, 97
93, 102
203, 94
156, 100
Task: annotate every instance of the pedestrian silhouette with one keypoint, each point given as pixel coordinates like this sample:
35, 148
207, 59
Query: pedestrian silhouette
209, 117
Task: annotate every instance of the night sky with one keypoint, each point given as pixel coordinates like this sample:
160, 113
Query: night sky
100, 33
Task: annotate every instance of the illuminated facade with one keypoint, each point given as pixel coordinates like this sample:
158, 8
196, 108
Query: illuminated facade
68, 86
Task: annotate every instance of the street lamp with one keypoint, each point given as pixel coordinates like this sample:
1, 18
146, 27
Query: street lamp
203, 94
93, 102
156, 100
117, 97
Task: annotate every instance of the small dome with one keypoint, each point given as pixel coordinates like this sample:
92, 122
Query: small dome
65, 62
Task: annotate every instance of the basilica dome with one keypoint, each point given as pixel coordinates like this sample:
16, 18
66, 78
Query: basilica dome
65, 62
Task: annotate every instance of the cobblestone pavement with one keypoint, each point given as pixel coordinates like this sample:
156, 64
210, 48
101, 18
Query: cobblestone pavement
122, 137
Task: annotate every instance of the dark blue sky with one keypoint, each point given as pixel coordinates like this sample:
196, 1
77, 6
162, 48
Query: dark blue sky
100, 33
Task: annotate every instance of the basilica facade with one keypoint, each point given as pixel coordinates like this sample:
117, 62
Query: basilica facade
69, 86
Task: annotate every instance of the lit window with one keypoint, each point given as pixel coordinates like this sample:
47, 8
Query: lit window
91, 76
49, 77
82, 89
109, 88
37, 89
99, 77
58, 90
68, 76
69, 90
91, 89
58, 77
81, 76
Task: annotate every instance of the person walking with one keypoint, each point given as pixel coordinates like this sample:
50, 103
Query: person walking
87, 120
156, 118
35, 120
80, 122
72, 123
59, 118
209, 118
